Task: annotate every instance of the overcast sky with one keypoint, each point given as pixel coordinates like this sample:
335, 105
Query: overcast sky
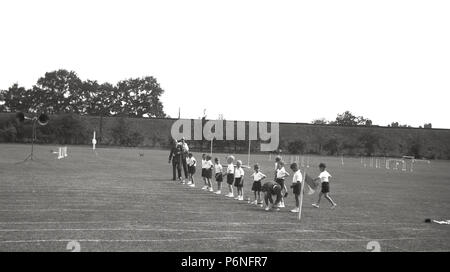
290, 61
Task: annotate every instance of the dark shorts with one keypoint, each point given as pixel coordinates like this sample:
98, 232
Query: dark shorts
238, 182
208, 173
296, 188
325, 187
203, 172
256, 187
281, 182
191, 170
230, 179
219, 177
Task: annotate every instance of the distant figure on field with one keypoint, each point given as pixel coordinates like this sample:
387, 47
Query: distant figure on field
184, 155
175, 157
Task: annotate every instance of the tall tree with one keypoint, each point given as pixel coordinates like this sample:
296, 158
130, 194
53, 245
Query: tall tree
348, 119
139, 97
60, 92
17, 99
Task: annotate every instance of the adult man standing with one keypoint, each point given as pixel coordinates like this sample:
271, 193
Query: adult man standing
184, 155
175, 157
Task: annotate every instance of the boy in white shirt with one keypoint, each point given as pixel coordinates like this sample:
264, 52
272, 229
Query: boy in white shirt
205, 185
256, 187
230, 175
324, 178
296, 186
280, 176
208, 173
239, 180
192, 164
218, 169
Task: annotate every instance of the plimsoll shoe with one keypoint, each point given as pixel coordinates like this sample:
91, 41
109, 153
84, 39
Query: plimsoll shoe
296, 210
315, 205
218, 192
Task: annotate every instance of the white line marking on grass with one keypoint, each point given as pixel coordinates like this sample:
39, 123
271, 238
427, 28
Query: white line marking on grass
344, 239
116, 241
64, 222
365, 238
159, 229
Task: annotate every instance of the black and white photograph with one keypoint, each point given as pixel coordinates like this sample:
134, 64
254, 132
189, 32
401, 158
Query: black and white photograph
231, 126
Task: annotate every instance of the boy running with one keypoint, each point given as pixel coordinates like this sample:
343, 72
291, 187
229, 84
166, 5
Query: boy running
324, 178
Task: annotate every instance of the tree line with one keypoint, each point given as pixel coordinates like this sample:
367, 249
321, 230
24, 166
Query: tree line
348, 119
62, 91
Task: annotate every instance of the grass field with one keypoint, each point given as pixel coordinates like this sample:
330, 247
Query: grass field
120, 201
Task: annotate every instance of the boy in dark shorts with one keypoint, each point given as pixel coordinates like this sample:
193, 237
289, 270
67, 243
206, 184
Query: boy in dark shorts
324, 178
208, 173
258, 176
191, 163
218, 169
230, 175
239, 180
280, 176
269, 189
296, 186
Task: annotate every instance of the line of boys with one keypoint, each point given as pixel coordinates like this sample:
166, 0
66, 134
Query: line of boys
235, 177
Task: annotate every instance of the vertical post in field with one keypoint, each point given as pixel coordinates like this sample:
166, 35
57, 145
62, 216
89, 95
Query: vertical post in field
301, 197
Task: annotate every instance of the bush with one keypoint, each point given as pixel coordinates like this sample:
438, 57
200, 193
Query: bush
63, 129
332, 146
122, 134
296, 147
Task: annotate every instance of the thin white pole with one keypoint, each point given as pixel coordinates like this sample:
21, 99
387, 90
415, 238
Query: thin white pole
211, 147
248, 157
301, 197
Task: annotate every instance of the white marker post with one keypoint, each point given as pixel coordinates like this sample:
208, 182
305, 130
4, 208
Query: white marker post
301, 197
248, 156
94, 141
211, 147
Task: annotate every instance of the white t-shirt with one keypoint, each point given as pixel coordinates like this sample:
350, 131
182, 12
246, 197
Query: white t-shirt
239, 172
204, 163
281, 173
191, 161
258, 176
324, 176
208, 164
297, 177
185, 147
230, 169
218, 168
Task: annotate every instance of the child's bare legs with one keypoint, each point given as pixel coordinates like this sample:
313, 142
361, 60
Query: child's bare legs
230, 189
259, 197
209, 183
297, 201
327, 196
318, 200
219, 186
